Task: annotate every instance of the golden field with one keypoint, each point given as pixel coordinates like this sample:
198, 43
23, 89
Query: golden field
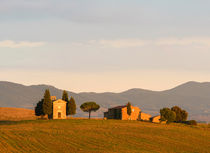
101, 136
9, 113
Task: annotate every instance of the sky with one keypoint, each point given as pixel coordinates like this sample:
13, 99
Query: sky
106, 45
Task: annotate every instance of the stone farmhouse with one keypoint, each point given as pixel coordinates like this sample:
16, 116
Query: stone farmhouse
120, 112
59, 108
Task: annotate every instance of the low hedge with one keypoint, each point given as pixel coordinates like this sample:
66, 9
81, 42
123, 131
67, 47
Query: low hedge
190, 122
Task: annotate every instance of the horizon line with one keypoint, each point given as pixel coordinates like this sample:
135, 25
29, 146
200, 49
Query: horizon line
105, 91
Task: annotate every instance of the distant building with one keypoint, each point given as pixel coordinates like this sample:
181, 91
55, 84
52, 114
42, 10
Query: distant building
144, 116
59, 108
155, 119
120, 112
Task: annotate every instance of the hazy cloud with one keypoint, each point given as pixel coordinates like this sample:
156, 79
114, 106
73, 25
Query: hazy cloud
13, 44
201, 41
128, 43
122, 43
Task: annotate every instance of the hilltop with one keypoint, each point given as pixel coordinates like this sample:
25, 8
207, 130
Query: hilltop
192, 96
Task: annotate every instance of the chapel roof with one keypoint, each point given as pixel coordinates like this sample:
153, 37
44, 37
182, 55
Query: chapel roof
59, 101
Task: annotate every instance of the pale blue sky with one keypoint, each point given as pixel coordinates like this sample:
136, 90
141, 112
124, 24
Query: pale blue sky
106, 45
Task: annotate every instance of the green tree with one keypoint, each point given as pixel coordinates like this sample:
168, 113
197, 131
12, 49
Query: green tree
181, 115
89, 107
129, 108
178, 111
39, 109
167, 115
163, 113
184, 115
65, 96
47, 103
71, 107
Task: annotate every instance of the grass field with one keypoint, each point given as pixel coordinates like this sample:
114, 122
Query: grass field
98, 136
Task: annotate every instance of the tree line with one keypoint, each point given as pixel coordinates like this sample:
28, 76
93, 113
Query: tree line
45, 106
175, 114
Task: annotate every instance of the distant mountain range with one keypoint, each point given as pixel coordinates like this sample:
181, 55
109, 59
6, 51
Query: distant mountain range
194, 97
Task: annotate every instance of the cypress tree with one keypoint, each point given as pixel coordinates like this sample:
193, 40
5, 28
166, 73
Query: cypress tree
47, 104
129, 108
39, 109
71, 106
65, 96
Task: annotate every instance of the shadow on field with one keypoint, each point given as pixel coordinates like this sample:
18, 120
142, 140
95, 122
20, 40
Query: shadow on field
8, 122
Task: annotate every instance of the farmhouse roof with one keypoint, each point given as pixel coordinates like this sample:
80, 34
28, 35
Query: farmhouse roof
118, 107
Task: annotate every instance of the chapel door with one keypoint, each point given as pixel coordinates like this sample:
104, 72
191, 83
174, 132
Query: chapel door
59, 114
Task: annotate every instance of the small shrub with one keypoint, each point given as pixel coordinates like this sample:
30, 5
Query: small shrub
190, 122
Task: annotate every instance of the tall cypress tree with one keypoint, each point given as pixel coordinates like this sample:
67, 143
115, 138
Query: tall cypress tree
47, 104
72, 107
129, 108
65, 96
39, 109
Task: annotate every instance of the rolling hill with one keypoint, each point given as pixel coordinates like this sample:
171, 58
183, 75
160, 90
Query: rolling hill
192, 96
